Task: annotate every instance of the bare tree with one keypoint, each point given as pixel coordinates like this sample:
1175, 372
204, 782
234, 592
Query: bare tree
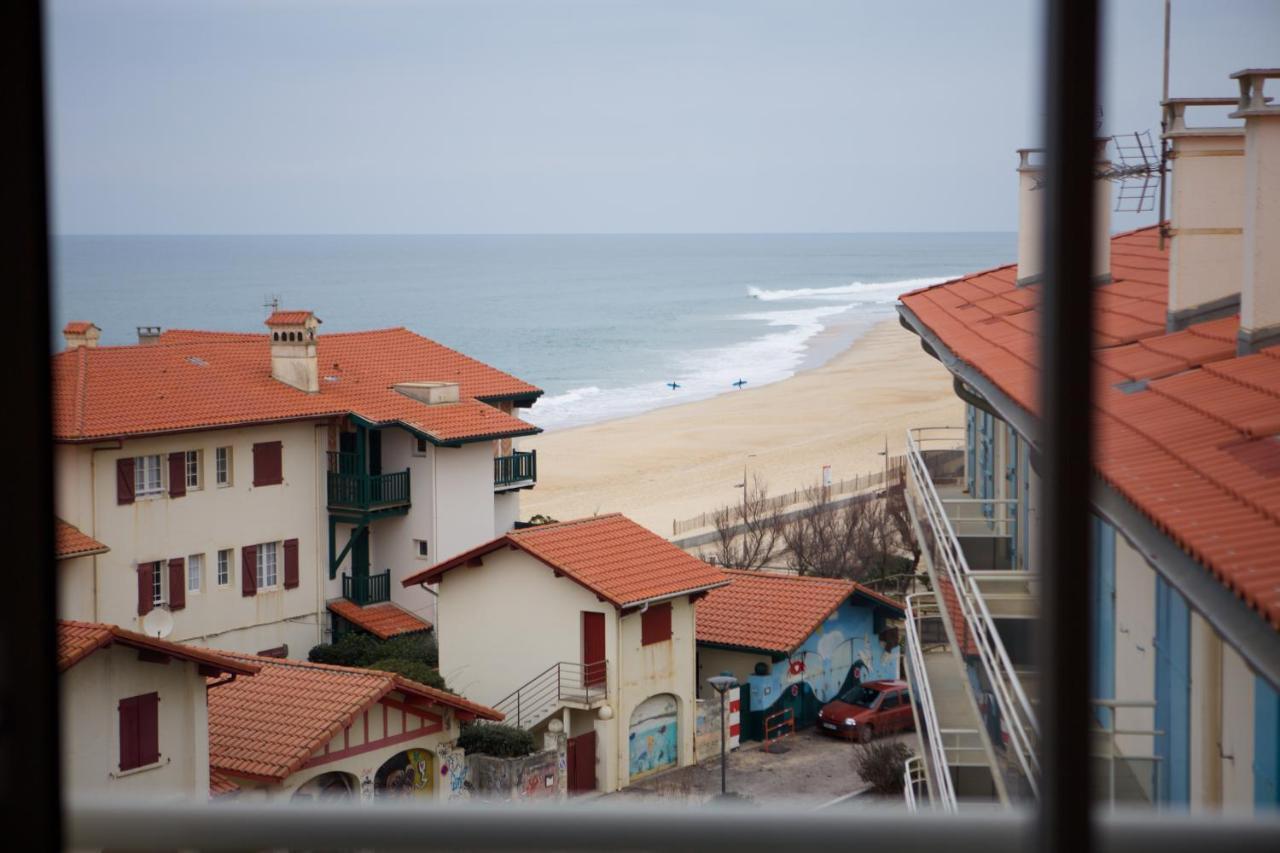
849, 539
900, 519
749, 535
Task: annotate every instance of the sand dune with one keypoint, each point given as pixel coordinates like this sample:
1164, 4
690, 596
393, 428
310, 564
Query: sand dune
683, 460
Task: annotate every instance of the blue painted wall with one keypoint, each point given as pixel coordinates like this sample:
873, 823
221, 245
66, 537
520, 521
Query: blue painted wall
1173, 694
822, 667
1102, 591
1266, 745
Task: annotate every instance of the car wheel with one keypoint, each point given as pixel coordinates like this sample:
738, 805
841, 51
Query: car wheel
865, 734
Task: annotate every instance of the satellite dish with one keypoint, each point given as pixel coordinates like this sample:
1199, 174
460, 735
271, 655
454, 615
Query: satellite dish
157, 623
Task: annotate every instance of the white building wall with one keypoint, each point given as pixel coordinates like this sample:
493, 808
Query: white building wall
204, 522
91, 694
1236, 754
463, 498
77, 589
1135, 645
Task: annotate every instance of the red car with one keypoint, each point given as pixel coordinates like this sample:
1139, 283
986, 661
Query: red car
867, 710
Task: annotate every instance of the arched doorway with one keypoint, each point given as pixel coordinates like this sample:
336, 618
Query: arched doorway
406, 774
327, 786
654, 735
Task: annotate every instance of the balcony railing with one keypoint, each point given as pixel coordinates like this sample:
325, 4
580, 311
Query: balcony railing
367, 589
368, 491
578, 684
978, 628
518, 470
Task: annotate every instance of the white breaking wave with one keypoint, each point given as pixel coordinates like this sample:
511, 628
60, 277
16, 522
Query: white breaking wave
861, 292
700, 373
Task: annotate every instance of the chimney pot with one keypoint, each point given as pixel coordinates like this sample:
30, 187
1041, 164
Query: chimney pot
79, 333
148, 335
1260, 281
293, 349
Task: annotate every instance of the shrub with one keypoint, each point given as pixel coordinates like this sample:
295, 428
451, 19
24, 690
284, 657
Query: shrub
411, 669
496, 739
357, 648
881, 765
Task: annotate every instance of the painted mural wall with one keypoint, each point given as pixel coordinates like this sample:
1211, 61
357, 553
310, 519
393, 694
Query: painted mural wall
844, 650
654, 744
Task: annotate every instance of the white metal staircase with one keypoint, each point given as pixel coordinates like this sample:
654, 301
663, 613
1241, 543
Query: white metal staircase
563, 684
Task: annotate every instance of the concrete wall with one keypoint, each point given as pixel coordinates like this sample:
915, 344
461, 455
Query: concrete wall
532, 777
203, 522
1135, 645
91, 694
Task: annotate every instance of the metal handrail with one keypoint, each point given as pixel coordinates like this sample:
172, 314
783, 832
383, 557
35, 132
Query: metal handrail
912, 774
565, 681
923, 696
1111, 732
995, 659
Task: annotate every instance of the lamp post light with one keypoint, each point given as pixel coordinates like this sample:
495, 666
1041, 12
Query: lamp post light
722, 683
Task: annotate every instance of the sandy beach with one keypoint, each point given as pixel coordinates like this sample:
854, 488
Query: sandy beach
680, 461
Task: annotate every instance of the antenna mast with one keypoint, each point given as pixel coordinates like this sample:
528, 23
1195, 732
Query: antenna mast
1164, 145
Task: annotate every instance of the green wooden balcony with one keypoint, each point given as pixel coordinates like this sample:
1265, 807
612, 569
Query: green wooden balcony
367, 589
367, 492
517, 471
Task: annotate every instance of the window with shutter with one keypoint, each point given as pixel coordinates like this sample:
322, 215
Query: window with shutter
146, 598
290, 563
655, 624
177, 583
124, 480
177, 474
249, 570
268, 469
139, 731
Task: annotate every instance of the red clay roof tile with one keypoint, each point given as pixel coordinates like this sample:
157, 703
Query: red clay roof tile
382, 620
78, 640
69, 541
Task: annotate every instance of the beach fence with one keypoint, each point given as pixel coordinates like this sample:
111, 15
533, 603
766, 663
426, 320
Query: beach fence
853, 485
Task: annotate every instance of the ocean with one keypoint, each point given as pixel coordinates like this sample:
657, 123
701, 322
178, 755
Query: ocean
601, 322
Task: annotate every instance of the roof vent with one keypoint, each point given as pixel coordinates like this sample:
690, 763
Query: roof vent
79, 333
148, 335
431, 393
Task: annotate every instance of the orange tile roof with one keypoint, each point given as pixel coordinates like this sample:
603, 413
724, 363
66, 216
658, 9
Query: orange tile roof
289, 318
77, 327
220, 785
78, 640
610, 555
199, 380
266, 727
69, 541
771, 611
1185, 429
382, 620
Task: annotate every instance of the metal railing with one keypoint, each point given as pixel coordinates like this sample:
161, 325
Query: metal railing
367, 589
948, 557
942, 792
521, 468
1107, 733
913, 777
368, 491
539, 697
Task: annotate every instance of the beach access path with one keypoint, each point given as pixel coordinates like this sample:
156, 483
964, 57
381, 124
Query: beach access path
679, 461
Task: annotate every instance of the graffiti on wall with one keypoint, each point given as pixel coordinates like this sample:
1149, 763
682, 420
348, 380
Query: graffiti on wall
654, 744
406, 774
844, 650
453, 770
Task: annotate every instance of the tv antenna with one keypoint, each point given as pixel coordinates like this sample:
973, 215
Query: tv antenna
1138, 171
272, 302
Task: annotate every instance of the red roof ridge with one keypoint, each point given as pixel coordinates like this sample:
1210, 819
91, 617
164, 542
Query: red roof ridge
568, 522
93, 636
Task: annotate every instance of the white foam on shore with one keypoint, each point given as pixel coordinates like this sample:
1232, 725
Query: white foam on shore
858, 292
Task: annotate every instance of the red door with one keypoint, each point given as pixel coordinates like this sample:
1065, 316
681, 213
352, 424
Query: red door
593, 666
582, 763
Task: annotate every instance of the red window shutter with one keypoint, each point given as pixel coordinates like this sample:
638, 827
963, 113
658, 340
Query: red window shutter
145, 580
268, 469
148, 728
124, 480
177, 583
655, 624
249, 570
129, 734
290, 563
177, 475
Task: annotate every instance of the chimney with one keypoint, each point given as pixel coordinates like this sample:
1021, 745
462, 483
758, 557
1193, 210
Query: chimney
1260, 281
79, 333
431, 393
148, 335
293, 349
1031, 197
1206, 215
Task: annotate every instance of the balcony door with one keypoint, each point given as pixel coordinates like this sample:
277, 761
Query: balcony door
593, 666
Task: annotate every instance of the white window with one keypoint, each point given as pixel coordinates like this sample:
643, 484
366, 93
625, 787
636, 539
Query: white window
267, 577
195, 572
192, 469
222, 466
422, 549
157, 584
224, 567
419, 447
147, 477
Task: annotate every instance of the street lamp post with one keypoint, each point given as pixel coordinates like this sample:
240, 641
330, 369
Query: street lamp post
721, 683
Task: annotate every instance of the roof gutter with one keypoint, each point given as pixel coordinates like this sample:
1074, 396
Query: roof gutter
643, 604
1239, 626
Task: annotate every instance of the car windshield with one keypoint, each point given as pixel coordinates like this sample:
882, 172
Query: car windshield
864, 696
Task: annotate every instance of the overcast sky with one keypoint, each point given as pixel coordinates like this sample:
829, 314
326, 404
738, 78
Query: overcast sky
534, 116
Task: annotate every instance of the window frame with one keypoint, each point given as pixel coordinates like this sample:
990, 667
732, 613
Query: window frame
263, 564
222, 566
652, 627
195, 564
422, 549
222, 466
143, 489
158, 574
193, 469
420, 446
